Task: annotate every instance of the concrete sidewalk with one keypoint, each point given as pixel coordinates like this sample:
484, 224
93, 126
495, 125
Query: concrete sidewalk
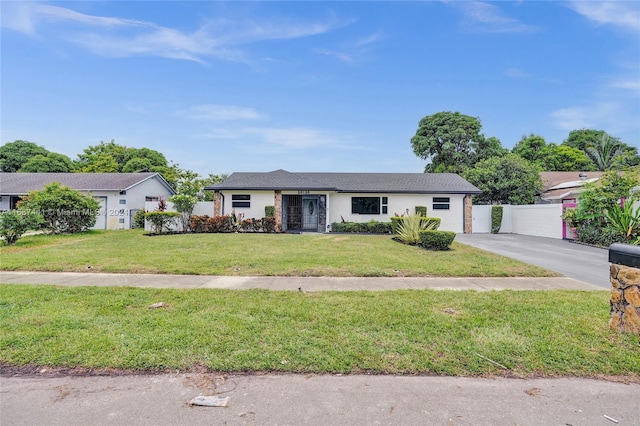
292, 283
315, 400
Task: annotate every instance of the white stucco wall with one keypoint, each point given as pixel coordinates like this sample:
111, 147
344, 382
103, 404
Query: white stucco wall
452, 219
259, 199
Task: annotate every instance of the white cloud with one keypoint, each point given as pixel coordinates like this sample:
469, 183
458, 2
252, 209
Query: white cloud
484, 17
121, 37
215, 112
351, 52
517, 73
624, 14
610, 116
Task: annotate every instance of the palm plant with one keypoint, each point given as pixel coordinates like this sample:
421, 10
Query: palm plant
625, 220
410, 226
604, 152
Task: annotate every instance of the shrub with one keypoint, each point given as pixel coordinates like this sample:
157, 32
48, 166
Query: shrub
13, 224
409, 228
161, 221
269, 211
138, 219
64, 210
496, 219
227, 224
591, 231
184, 204
421, 211
437, 240
371, 227
396, 220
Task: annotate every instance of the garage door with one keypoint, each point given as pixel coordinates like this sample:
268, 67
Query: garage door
101, 218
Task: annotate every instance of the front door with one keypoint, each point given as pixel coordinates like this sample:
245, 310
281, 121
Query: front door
310, 214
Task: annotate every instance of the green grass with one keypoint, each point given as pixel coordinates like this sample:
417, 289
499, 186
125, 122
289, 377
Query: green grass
253, 254
401, 332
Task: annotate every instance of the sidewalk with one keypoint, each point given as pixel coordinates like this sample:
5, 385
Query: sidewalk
315, 400
292, 283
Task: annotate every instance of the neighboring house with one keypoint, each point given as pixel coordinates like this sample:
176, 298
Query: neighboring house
564, 187
120, 194
312, 201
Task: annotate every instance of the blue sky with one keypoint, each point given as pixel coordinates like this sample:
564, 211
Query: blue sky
312, 86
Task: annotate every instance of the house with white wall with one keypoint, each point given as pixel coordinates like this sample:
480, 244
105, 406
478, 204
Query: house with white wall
310, 202
120, 195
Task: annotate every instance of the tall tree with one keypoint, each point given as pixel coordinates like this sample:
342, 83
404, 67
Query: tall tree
14, 154
604, 152
50, 163
505, 180
449, 140
531, 148
583, 138
103, 158
563, 158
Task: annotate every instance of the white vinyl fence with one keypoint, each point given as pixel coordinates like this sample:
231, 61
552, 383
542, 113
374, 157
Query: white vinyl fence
201, 208
540, 220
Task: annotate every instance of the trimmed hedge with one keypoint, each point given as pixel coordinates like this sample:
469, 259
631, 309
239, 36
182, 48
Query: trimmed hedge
269, 211
396, 220
371, 227
436, 240
496, 219
226, 224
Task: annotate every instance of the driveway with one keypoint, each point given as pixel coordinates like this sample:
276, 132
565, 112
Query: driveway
577, 261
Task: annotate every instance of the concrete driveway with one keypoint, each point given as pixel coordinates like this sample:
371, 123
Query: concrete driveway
577, 261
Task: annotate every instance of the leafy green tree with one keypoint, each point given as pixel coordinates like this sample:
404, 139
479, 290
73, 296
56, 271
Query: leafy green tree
14, 155
184, 204
532, 148
103, 158
63, 209
13, 224
487, 148
563, 158
505, 180
604, 152
137, 165
583, 138
50, 163
152, 157
449, 139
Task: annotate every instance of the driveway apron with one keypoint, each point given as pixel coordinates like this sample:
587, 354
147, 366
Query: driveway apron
577, 261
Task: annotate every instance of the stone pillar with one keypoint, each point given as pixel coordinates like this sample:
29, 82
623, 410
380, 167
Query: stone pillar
468, 214
217, 203
625, 299
277, 204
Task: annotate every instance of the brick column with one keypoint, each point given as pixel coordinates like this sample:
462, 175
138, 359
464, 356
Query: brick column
277, 204
468, 214
217, 203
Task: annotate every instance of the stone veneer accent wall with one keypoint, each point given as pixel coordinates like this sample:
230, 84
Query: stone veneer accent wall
625, 299
277, 203
468, 214
217, 204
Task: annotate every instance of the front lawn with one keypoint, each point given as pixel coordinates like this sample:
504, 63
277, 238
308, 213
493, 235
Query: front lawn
253, 254
529, 333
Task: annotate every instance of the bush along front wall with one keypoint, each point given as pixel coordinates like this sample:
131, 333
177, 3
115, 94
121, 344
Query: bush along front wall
372, 227
227, 224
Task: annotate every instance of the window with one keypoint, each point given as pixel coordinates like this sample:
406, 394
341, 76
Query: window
241, 201
147, 198
365, 205
385, 208
441, 203
123, 201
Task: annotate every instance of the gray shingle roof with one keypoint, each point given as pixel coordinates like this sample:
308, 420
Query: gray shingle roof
432, 183
22, 183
